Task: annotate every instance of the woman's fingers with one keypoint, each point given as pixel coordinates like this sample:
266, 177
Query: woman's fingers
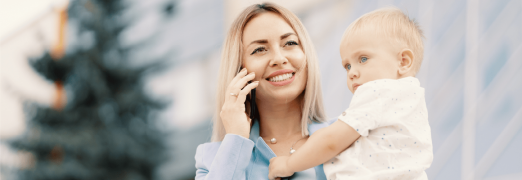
232, 91
242, 94
243, 81
235, 89
239, 75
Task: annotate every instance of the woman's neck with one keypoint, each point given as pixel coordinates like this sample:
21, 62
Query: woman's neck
280, 120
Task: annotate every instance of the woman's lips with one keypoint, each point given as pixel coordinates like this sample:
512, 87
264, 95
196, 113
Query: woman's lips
282, 83
282, 71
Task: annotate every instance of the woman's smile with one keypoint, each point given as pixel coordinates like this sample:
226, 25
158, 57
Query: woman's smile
281, 77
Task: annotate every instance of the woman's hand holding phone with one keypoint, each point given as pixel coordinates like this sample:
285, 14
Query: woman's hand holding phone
233, 114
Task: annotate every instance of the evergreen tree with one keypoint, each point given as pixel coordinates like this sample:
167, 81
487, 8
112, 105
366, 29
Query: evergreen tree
107, 129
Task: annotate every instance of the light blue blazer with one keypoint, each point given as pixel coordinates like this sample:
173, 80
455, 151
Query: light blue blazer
237, 157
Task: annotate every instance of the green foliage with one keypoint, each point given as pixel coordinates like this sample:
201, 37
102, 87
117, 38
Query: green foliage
107, 129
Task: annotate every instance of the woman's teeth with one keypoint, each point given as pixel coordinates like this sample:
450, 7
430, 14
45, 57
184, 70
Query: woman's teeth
281, 77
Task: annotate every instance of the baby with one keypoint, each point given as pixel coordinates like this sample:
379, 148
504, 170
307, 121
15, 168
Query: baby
385, 133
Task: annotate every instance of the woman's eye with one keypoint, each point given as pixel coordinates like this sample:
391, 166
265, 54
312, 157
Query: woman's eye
348, 66
290, 43
259, 49
364, 59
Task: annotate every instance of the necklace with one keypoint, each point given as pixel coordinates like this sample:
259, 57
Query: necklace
292, 150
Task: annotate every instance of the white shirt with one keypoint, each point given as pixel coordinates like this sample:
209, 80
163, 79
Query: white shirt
395, 143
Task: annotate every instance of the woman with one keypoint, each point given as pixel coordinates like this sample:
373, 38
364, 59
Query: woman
268, 46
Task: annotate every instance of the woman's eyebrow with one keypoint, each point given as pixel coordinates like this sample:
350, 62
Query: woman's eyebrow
260, 41
263, 41
287, 34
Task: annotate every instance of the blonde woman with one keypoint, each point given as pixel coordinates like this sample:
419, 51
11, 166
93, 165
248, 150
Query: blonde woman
268, 46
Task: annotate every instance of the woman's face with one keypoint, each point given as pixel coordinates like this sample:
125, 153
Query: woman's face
273, 51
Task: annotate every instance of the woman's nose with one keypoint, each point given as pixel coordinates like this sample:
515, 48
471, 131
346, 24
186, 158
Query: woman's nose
278, 58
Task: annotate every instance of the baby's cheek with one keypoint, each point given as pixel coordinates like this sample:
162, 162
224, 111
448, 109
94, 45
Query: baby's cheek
348, 84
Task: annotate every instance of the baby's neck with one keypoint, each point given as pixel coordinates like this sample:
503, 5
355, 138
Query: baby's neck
409, 74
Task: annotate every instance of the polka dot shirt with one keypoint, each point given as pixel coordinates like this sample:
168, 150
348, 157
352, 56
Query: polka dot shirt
395, 143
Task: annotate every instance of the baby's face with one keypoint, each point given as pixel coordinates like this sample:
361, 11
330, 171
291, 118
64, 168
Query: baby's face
369, 56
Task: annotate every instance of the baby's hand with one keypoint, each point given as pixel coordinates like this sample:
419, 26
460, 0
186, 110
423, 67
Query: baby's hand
279, 167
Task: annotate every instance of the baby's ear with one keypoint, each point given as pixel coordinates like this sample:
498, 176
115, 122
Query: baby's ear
405, 62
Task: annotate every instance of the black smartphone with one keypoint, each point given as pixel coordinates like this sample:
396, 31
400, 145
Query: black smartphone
253, 107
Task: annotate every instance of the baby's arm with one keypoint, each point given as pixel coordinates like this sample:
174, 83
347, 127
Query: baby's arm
322, 146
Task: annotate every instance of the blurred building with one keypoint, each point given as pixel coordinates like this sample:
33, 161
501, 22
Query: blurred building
471, 72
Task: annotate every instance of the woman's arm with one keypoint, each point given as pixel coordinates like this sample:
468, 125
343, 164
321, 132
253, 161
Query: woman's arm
322, 146
226, 161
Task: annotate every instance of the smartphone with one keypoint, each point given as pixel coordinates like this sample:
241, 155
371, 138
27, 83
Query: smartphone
253, 106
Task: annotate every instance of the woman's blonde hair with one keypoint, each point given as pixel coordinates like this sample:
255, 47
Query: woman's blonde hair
312, 104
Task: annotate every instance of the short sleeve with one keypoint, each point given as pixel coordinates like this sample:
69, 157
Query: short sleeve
365, 111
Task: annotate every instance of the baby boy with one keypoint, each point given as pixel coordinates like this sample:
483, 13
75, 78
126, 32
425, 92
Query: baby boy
384, 134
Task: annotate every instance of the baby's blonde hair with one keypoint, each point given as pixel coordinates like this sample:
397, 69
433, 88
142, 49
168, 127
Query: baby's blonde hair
394, 24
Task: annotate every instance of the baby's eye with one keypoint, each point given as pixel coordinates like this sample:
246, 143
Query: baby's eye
363, 59
290, 43
259, 49
348, 66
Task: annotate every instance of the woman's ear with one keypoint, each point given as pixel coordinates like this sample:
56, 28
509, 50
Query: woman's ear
405, 62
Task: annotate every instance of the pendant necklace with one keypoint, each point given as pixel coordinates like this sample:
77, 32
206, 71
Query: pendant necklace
292, 150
